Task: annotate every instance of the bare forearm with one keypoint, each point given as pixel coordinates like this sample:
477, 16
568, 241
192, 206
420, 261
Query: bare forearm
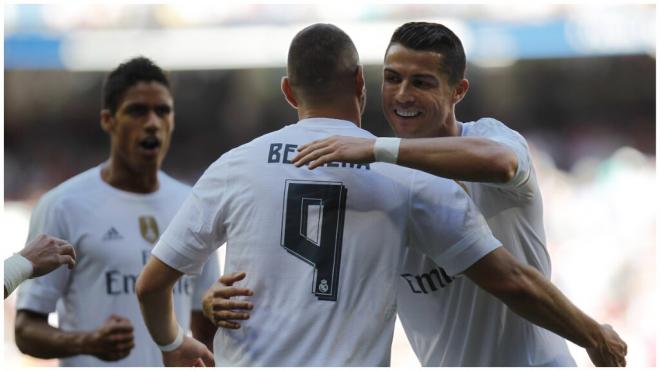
158, 314
154, 292
37, 338
469, 159
543, 304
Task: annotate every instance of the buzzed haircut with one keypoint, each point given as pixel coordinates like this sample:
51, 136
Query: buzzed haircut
126, 75
426, 36
322, 61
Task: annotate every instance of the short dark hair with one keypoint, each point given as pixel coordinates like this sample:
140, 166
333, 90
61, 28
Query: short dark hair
426, 36
322, 60
127, 74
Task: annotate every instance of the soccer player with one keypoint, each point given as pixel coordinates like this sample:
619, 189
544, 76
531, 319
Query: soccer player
113, 214
449, 320
321, 248
38, 257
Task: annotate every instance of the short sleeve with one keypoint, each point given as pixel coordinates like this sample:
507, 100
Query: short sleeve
197, 229
210, 274
42, 293
496, 131
446, 225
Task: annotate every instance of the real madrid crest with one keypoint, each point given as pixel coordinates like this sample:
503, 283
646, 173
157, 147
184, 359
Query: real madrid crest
149, 228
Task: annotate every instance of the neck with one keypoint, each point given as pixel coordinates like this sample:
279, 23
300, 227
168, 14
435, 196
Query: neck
349, 111
123, 177
449, 127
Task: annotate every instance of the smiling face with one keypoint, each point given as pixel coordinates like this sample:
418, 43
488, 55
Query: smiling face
418, 101
141, 128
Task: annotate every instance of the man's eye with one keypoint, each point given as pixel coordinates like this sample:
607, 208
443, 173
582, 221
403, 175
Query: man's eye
422, 84
162, 111
391, 78
137, 110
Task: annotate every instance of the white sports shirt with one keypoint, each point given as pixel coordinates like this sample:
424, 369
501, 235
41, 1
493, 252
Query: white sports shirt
452, 322
113, 232
320, 247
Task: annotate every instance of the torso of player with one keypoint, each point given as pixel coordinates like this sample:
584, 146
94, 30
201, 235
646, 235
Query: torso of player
320, 259
114, 243
451, 322
113, 233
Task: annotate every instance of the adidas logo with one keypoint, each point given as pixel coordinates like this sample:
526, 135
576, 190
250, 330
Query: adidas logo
112, 235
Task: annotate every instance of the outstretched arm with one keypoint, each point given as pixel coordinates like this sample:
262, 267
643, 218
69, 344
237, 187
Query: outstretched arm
154, 291
461, 158
529, 294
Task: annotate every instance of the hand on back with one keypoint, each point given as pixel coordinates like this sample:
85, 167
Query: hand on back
220, 308
335, 148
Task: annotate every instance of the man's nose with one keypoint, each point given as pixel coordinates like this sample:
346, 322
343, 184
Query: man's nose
153, 123
404, 94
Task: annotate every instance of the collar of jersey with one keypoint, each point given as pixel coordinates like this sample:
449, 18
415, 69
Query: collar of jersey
461, 128
130, 195
326, 122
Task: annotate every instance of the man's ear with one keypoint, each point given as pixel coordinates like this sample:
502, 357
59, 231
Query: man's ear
107, 121
460, 90
285, 85
361, 88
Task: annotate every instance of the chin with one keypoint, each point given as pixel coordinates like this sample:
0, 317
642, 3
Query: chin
402, 133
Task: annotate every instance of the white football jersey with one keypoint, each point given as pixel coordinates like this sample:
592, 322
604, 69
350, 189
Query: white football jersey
320, 247
113, 233
449, 320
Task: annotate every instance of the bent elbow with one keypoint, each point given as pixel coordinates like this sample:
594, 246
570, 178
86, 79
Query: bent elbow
21, 334
19, 337
506, 165
142, 289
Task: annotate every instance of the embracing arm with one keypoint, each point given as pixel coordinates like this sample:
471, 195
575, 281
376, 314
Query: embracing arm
529, 294
461, 158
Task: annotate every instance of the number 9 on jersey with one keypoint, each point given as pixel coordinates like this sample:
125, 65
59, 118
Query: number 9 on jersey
313, 228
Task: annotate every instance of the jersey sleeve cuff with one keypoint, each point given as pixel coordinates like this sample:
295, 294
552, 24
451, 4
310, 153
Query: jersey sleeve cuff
467, 252
182, 258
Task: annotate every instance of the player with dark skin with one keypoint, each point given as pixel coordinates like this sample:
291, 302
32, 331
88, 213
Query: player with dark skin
140, 131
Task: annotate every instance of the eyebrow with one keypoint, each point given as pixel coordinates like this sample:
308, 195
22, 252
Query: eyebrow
141, 104
417, 75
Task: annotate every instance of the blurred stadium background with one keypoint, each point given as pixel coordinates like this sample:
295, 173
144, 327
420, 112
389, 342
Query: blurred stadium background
577, 81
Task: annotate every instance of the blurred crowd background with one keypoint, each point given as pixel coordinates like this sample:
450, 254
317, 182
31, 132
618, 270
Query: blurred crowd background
577, 81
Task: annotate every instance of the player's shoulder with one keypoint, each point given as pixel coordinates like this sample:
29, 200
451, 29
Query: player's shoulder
411, 180
236, 155
490, 127
78, 187
485, 125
